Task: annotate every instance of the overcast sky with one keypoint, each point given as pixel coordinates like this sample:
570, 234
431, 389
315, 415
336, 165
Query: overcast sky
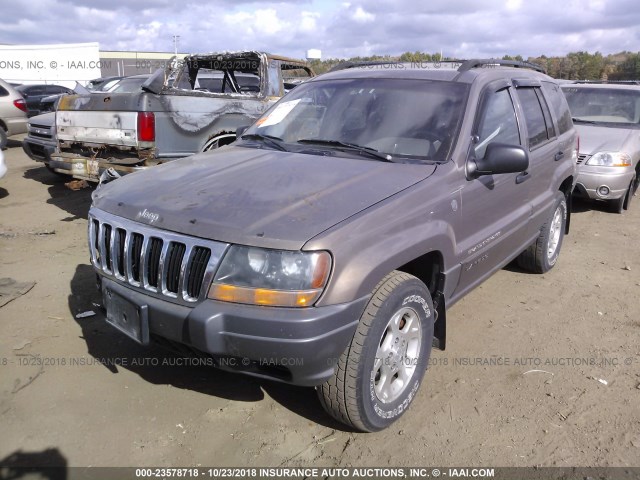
458, 28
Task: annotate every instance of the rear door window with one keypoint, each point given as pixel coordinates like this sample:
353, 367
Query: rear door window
559, 106
536, 115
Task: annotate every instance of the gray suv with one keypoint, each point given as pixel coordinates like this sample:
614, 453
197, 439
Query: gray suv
607, 117
325, 245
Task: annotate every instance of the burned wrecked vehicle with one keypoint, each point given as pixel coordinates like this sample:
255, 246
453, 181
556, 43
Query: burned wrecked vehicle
192, 106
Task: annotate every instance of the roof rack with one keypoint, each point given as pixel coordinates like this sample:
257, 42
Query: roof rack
615, 82
349, 64
345, 65
465, 64
475, 63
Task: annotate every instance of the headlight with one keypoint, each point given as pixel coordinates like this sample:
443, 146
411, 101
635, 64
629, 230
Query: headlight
610, 159
280, 278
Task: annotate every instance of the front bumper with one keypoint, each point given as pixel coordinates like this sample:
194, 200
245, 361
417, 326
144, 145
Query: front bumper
300, 346
38, 149
616, 179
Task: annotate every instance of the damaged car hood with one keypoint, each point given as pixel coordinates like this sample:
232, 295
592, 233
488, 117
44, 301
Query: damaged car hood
254, 196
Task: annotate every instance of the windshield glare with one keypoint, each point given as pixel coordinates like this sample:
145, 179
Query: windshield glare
604, 105
402, 118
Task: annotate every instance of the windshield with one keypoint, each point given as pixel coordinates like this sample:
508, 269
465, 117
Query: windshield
405, 119
604, 105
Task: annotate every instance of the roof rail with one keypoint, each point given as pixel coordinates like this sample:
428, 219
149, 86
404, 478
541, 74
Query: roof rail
348, 64
435, 63
475, 63
615, 82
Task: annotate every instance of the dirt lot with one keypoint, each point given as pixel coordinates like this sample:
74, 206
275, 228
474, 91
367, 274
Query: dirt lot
480, 405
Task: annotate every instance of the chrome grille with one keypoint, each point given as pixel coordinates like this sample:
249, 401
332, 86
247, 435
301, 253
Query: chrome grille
41, 131
582, 158
157, 262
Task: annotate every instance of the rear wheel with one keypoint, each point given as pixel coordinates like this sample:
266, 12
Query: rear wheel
542, 255
379, 373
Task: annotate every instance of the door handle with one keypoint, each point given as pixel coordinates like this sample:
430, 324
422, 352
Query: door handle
559, 155
523, 177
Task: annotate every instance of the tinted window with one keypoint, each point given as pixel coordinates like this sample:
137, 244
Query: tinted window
55, 89
533, 116
551, 131
559, 106
3, 91
497, 122
31, 89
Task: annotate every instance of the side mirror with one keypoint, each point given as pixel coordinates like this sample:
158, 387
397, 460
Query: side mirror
498, 158
241, 130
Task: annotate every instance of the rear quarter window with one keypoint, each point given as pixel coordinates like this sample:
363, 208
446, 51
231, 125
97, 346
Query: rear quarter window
3, 91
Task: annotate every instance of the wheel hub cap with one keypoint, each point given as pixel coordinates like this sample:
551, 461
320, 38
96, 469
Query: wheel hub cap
397, 355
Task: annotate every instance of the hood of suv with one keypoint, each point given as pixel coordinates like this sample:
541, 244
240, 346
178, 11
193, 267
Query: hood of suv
596, 138
255, 197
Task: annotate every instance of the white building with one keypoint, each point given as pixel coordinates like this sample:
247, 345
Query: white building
60, 64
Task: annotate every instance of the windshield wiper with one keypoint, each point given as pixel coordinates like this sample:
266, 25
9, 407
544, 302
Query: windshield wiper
579, 120
372, 152
267, 140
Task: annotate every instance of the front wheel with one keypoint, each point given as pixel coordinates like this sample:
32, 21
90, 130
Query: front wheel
542, 255
379, 373
625, 202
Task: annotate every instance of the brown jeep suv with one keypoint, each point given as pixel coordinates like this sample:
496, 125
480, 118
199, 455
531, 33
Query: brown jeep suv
324, 246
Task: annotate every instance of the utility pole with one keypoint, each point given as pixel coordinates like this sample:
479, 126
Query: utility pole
175, 44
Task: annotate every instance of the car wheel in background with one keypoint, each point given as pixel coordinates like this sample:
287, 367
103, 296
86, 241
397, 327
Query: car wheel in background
617, 205
3, 139
219, 140
629, 195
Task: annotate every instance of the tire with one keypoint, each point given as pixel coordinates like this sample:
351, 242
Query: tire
617, 205
378, 375
3, 139
629, 195
542, 255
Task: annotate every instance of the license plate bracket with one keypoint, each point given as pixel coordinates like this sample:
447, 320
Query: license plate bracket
128, 317
93, 168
